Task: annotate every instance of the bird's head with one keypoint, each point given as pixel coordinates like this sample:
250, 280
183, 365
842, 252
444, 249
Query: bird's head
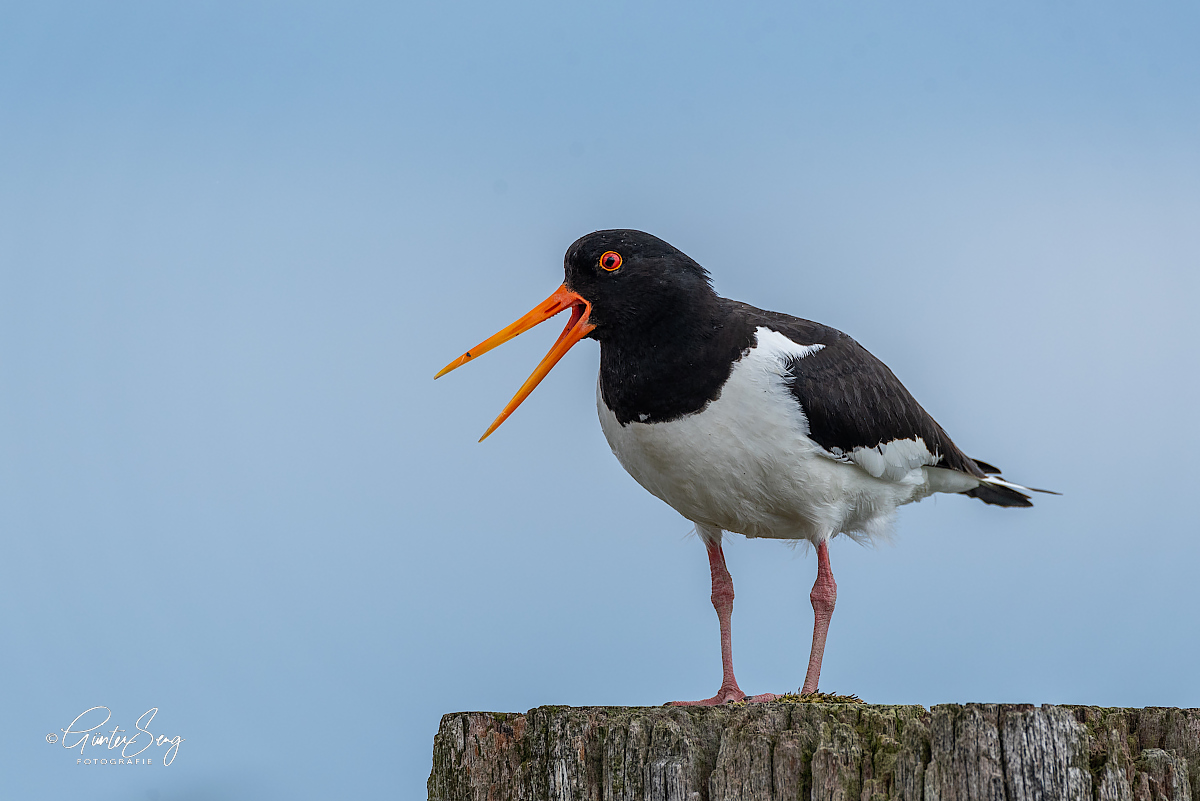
633, 281
618, 283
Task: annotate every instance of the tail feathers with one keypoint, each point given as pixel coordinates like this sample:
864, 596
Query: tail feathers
999, 495
987, 468
997, 491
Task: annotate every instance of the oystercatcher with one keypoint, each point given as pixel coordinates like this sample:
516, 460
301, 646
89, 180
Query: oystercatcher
745, 420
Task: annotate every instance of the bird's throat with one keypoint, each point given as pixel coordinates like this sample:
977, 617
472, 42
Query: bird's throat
668, 372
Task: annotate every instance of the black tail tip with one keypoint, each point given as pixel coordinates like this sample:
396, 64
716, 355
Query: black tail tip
999, 496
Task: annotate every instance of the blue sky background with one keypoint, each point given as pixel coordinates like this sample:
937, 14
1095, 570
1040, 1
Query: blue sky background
238, 239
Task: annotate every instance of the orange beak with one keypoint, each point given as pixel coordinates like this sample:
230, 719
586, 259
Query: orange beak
577, 328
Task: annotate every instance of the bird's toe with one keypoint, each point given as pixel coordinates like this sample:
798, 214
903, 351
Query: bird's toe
764, 698
726, 695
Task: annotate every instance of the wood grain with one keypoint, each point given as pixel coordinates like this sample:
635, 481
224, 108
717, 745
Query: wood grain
819, 752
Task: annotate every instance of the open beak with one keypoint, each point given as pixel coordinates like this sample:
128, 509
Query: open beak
577, 328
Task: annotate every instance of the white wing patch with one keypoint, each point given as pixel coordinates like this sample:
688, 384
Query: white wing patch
777, 346
894, 460
803, 350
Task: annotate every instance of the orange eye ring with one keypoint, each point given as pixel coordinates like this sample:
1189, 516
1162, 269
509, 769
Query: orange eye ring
611, 261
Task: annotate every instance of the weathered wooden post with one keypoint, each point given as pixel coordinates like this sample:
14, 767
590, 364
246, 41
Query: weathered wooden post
820, 752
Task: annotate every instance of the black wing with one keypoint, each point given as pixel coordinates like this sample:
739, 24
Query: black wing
852, 400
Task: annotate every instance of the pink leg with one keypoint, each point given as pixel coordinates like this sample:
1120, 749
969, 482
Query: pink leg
823, 597
722, 601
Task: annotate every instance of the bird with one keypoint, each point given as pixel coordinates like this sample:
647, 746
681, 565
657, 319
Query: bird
744, 420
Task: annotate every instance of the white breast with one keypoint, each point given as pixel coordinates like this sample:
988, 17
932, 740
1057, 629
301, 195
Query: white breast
744, 463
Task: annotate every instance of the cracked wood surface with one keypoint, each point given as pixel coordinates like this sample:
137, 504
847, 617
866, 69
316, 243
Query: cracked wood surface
819, 752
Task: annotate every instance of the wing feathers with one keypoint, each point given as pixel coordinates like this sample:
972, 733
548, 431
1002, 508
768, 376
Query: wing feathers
858, 411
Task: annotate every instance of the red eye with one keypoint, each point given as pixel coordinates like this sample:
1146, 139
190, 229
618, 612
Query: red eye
611, 260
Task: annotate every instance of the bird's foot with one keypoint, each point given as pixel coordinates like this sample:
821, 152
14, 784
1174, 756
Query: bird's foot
728, 694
